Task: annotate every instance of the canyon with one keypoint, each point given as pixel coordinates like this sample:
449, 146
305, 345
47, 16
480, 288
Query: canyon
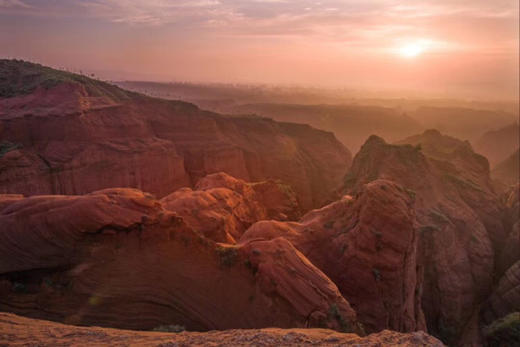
120, 210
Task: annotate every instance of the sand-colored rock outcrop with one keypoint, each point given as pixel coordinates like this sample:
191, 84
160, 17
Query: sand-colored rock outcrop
20, 330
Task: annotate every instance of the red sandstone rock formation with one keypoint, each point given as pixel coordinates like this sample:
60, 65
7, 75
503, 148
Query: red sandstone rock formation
509, 253
118, 258
222, 207
15, 329
437, 239
74, 135
367, 245
505, 298
459, 219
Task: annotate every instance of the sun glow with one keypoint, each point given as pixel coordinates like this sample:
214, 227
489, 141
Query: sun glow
411, 50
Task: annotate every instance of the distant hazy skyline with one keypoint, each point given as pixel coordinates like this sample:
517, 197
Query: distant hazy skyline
444, 47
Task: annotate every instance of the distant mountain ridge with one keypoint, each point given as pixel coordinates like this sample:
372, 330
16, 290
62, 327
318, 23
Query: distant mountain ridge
463, 122
352, 117
508, 171
499, 144
352, 124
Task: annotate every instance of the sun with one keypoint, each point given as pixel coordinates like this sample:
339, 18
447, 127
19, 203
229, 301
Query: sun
411, 50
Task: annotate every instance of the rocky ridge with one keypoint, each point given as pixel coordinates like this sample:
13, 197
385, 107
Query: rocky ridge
16, 330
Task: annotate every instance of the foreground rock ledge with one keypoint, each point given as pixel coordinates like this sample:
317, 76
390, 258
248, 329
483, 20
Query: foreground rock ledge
16, 330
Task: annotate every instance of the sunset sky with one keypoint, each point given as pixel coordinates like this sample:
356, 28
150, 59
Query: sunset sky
464, 47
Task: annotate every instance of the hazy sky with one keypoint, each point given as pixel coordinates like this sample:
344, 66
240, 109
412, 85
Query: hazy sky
445, 46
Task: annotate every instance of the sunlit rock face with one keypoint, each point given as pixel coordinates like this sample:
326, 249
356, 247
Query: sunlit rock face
222, 207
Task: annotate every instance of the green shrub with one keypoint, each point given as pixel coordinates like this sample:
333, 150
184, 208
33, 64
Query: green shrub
439, 217
329, 224
377, 274
18, 77
504, 331
6, 146
19, 287
427, 229
251, 266
336, 315
446, 332
228, 256
350, 180
173, 328
411, 193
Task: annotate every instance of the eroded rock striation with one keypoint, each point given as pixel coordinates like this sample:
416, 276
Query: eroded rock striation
118, 258
505, 298
367, 244
500, 313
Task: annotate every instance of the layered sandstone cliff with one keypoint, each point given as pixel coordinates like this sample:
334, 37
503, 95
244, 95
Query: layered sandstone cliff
69, 134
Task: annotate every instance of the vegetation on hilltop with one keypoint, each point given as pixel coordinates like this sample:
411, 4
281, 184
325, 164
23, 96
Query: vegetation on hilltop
18, 77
